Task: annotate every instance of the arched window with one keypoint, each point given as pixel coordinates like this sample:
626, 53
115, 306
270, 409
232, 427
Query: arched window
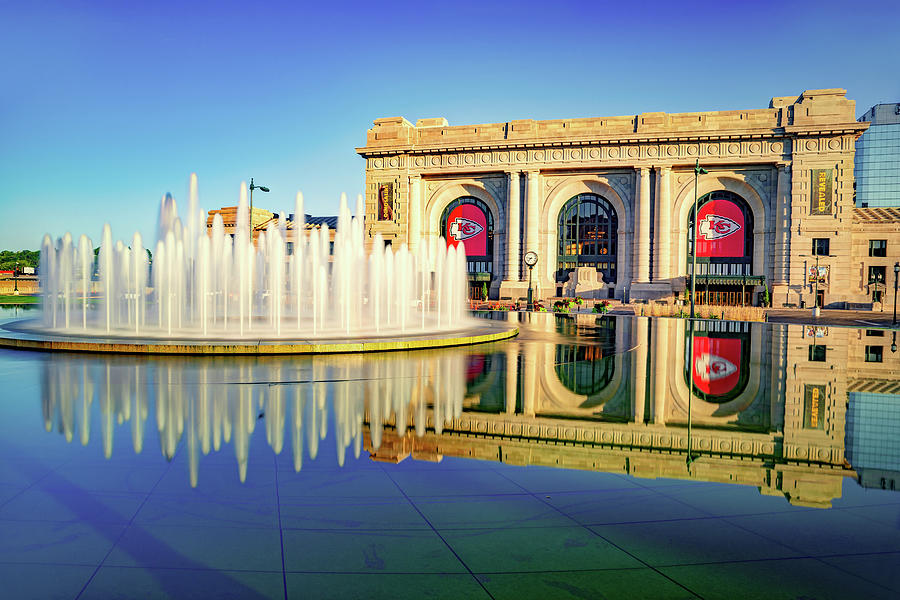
469, 220
587, 369
721, 354
588, 236
725, 246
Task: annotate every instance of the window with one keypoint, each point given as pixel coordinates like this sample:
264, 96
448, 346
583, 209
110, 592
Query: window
820, 246
729, 255
588, 236
289, 248
878, 248
876, 274
816, 353
874, 332
479, 250
873, 353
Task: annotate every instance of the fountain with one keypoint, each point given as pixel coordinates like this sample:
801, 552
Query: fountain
210, 291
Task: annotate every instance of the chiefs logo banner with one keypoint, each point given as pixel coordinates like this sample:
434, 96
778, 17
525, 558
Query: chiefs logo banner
720, 230
717, 363
467, 223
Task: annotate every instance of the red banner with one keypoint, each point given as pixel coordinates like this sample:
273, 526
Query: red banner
468, 224
721, 230
717, 364
474, 367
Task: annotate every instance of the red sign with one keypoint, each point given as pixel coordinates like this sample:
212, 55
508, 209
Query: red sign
720, 230
475, 367
717, 364
468, 224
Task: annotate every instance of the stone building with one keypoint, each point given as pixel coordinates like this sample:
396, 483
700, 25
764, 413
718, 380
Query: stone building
262, 219
615, 195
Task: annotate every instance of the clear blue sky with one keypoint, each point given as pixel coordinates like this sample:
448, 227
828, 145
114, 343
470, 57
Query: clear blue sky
106, 106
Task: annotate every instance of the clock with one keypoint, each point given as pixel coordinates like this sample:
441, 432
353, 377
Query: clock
531, 258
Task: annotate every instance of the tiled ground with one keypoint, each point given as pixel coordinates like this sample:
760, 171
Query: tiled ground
71, 527
74, 524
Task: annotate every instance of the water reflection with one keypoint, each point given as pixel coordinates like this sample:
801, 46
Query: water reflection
206, 403
762, 405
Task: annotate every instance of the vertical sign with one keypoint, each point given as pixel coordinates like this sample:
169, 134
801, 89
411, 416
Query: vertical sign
386, 202
820, 192
814, 406
720, 230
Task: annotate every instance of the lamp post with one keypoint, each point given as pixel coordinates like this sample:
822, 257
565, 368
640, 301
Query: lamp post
16, 291
697, 171
896, 272
531, 259
261, 188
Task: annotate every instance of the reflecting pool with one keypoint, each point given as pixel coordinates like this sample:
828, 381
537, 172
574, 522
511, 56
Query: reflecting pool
590, 457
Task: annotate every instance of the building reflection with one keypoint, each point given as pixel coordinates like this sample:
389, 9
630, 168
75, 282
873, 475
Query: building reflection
791, 410
766, 409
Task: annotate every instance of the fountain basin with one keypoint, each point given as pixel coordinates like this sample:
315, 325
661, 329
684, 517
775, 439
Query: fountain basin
21, 335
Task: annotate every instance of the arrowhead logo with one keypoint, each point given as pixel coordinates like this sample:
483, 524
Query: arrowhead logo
711, 367
714, 227
463, 229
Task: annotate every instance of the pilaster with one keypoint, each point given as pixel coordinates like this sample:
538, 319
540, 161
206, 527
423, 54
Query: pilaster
642, 226
663, 230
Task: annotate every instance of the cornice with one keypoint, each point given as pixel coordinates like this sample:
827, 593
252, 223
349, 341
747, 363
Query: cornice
618, 140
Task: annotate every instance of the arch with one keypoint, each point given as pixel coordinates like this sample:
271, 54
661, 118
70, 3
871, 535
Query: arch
684, 200
562, 193
734, 265
587, 233
711, 411
438, 200
477, 262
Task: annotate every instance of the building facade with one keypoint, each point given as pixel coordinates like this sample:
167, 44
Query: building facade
878, 158
607, 203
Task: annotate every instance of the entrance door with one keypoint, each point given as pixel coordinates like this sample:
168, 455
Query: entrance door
724, 295
820, 298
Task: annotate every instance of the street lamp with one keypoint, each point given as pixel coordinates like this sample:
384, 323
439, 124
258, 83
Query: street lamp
261, 188
697, 171
16, 291
531, 259
896, 272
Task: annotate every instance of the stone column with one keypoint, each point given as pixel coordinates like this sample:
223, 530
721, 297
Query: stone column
663, 233
532, 209
414, 213
782, 258
642, 226
532, 214
512, 227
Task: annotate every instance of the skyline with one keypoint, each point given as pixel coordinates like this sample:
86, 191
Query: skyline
109, 107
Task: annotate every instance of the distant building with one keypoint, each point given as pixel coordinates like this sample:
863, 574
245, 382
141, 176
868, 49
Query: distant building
877, 163
263, 218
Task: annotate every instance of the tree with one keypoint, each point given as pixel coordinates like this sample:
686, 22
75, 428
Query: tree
25, 258
484, 291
